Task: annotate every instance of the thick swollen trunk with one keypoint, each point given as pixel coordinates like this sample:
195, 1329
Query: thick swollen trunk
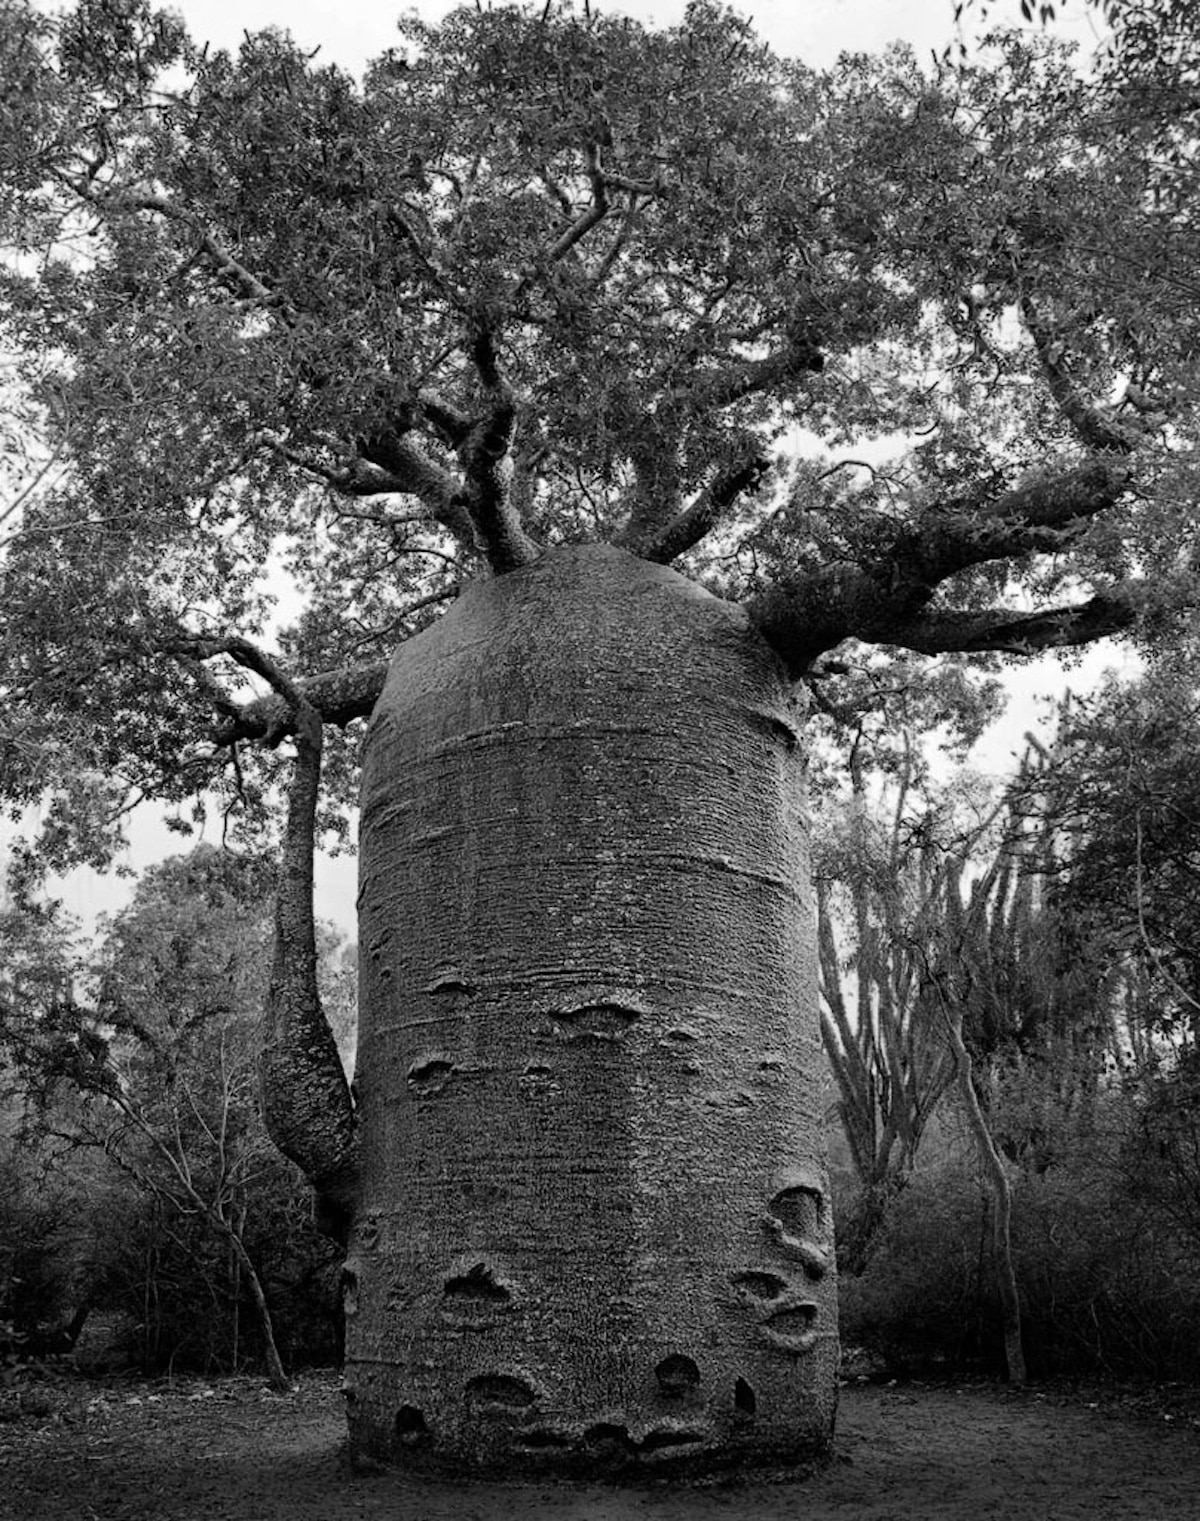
593, 1229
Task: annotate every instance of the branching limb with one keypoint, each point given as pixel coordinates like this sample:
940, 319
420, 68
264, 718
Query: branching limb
486, 462
797, 357
595, 213
230, 269
338, 696
1091, 426
1007, 632
876, 601
390, 464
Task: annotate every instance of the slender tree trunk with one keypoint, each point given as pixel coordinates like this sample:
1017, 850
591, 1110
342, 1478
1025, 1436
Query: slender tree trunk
1001, 1196
276, 1376
593, 1231
306, 1100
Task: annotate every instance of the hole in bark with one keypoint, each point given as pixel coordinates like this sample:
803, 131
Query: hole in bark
760, 1285
605, 1439
500, 1389
541, 1439
604, 1021
349, 1394
368, 1232
410, 1425
429, 1076
655, 1441
744, 1398
677, 1376
477, 1284
349, 1290
771, 1067
683, 1034
798, 1211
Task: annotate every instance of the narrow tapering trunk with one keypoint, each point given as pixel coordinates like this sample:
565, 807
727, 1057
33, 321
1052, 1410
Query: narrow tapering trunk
1000, 1192
594, 1228
306, 1099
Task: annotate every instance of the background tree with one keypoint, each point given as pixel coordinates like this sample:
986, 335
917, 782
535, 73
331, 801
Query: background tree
521, 322
159, 1074
879, 887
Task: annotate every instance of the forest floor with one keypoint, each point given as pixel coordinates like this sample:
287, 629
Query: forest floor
73, 1449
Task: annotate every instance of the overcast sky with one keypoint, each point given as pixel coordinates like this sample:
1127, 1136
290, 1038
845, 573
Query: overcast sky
351, 31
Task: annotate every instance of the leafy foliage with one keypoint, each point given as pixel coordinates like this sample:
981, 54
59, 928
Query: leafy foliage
546, 277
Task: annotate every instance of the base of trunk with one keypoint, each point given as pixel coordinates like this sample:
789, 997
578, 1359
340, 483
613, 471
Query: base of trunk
604, 1450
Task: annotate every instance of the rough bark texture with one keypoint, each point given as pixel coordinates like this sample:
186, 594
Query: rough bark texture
593, 1229
306, 1100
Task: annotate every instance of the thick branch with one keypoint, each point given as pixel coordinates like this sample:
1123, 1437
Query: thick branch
404, 468
595, 213
485, 459
796, 357
307, 1106
874, 601
339, 697
999, 629
690, 526
1089, 423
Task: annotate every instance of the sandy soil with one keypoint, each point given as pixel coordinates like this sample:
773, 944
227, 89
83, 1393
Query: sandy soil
71, 1450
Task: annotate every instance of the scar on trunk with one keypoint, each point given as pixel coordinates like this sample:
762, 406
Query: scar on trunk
430, 1074
797, 1218
597, 1021
501, 1390
792, 1329
759, 1285
478, 1284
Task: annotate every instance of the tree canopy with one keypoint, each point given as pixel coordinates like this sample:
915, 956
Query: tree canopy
544, 277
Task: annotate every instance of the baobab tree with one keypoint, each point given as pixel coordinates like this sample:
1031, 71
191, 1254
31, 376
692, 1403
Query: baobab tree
497, 354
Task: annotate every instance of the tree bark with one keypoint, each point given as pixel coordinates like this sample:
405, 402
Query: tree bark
1001, 1195
306, 1100
593, 1230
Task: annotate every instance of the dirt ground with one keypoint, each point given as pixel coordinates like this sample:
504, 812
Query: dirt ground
74, 1450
